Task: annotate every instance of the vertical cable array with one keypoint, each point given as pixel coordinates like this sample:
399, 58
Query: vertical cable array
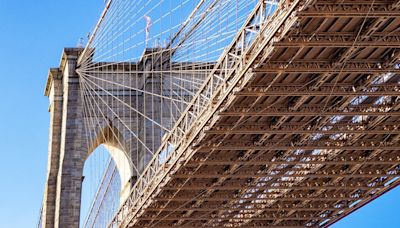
142, 67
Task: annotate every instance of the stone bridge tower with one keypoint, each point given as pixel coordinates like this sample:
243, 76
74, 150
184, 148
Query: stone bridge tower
68, 146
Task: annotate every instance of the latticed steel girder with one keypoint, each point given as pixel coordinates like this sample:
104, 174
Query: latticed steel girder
297, 163
305, 160
293, 171
279, 117
318, 67
269, 183
307, 129
339, 90
258, 225
287, 199
270, 188
362, 9
279, 206
318, 145
270, 214
324, 41
311, 111
282, 206
291, 177
237, 209
208, 218
305, 124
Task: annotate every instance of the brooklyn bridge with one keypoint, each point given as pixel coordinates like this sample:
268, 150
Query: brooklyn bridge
225, 113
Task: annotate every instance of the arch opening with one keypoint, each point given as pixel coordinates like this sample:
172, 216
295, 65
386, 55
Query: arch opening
112, 140
101, 189
107, 178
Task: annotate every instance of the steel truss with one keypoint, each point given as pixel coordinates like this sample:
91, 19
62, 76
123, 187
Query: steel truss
340, 90
298, 128
353, 9
340, 41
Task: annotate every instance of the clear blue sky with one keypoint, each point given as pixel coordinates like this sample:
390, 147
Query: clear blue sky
32, 35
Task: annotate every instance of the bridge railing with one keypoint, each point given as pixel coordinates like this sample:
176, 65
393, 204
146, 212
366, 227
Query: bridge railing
259, 29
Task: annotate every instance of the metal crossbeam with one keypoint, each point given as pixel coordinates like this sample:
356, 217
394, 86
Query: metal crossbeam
218, 208
316, 146
301, 131
311, 113
343, 161
354, 9
318, 67
297, 170
306, 124
285, 90
193, 224
281, 207
294, 176
221, 199
296, 129
389, 41
267, 184
207, 218
220, 188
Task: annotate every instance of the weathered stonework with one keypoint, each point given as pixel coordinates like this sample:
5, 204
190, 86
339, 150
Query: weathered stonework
70, 144
55, 109
66, 150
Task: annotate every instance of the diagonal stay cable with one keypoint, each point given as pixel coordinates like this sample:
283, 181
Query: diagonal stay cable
119, 118
124, 103
92, 102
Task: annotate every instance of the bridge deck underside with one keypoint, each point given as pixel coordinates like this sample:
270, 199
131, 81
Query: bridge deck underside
312, 136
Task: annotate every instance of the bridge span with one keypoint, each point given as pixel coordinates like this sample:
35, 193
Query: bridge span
229, 113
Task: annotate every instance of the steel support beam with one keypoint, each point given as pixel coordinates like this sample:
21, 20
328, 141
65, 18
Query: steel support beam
360, 9
389, 90
340, 41
208, 218
294, 130
310, 111
247, 176
318, 67
237, 209
221, 199
207, 149
395, 161
220, 188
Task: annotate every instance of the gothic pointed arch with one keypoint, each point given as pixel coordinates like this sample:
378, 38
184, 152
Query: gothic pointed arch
111, 138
